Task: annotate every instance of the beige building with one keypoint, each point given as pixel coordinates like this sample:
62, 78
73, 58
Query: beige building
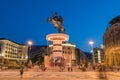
112, 43
98, 56
12, 53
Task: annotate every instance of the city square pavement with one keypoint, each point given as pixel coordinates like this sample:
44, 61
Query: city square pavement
49, 75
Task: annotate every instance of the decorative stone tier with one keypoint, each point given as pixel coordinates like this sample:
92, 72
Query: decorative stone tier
57, 36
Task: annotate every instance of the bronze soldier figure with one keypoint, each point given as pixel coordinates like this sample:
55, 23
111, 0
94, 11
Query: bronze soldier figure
57, 21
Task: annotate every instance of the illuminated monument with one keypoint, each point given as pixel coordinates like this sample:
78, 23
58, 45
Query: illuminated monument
57, 58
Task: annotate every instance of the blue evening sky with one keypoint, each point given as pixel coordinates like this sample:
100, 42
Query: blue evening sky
84, 20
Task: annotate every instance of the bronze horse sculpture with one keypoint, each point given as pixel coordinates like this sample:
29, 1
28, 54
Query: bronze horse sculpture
57, 21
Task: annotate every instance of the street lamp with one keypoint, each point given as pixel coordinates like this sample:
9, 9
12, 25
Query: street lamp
29, 49
91, 43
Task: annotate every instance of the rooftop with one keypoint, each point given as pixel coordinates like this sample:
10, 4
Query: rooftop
11, 41
115, 20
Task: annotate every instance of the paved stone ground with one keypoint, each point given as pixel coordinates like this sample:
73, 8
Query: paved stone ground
91, 75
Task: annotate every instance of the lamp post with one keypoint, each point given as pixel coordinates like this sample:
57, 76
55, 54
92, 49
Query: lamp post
29, 43
91, 43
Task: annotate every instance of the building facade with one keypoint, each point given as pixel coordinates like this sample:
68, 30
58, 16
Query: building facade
98, 56
111, 41
12, 53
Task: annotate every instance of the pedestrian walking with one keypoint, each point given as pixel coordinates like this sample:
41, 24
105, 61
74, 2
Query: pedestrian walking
21, 72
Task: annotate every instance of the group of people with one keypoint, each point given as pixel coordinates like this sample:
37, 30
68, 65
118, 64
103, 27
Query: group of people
43, 68
69, 68
98, 67
82, 67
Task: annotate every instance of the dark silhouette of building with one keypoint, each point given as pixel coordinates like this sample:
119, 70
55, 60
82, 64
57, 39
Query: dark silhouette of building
81, 57
37, 53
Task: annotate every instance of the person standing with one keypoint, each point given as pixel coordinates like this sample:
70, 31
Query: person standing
93, 67
69, 67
